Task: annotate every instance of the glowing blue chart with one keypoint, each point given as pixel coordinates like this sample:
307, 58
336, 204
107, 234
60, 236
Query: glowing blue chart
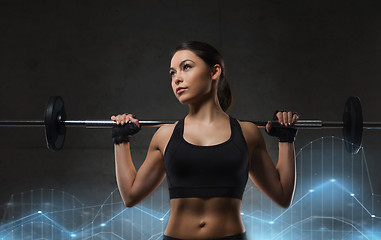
335, 198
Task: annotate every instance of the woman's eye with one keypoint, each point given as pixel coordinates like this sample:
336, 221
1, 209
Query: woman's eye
186, 66
171, 73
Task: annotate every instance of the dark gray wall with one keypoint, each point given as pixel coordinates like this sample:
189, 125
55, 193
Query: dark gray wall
108, 57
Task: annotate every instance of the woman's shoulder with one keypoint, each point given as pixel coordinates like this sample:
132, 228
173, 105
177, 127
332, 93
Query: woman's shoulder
165, 129
250, 131
163, 134
248, 126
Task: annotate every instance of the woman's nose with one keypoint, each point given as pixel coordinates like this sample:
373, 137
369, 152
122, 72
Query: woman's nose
178, 79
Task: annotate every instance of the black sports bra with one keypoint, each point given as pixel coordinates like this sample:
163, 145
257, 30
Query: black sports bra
207, 171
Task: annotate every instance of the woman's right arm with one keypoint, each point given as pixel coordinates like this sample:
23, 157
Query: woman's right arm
136, 186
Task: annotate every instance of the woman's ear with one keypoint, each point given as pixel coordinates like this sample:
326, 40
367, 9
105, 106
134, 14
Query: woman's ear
216, 72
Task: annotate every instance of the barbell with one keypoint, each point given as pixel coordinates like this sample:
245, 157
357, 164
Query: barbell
55, 124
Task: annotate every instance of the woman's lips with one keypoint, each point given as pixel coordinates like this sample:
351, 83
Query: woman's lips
180, 90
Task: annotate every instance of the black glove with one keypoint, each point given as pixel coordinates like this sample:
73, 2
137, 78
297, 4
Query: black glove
284, 134
122, 133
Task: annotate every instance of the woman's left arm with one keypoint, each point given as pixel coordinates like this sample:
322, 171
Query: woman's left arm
277, 182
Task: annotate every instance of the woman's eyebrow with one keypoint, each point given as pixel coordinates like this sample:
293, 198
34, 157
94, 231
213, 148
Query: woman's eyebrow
181, 64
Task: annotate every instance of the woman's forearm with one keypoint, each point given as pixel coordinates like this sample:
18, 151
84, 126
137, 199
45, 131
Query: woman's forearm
125, 170
287, 170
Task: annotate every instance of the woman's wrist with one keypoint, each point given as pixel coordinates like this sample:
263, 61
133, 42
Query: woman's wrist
286, 145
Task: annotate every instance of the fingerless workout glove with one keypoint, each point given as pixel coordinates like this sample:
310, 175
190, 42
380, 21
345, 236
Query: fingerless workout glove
284, 134
123, 133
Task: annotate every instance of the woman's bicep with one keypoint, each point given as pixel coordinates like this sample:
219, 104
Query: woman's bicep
151, 173
262, 170
264, 174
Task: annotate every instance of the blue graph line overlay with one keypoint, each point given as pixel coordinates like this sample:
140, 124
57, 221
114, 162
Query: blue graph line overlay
334, 199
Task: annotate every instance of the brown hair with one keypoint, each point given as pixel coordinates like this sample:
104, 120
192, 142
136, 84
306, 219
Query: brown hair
211, 56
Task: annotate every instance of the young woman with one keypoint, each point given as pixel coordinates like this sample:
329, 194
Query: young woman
208, 155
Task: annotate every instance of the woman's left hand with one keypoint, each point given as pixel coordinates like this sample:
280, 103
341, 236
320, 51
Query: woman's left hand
285, 118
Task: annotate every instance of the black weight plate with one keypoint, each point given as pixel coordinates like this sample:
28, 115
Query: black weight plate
55, 129
353, 124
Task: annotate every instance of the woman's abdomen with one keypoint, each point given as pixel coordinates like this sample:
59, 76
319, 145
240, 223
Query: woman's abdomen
200, 218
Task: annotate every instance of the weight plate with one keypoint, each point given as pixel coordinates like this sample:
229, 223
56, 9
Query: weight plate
55, 129
353, 125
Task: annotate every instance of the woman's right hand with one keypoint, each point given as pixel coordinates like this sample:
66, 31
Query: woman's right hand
121, 133
125, 118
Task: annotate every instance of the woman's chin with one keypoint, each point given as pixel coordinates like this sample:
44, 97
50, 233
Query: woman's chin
184, 100
188, 100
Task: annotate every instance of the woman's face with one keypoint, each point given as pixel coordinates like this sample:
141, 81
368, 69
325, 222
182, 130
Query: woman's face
190, 72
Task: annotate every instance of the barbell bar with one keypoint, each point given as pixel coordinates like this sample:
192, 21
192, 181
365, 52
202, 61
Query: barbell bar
301, 124
307, 124
55, 124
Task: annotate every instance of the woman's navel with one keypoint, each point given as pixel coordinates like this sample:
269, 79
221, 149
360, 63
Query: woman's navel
202, 224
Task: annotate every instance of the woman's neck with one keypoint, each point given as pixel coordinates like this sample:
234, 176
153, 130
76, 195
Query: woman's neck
206, 112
